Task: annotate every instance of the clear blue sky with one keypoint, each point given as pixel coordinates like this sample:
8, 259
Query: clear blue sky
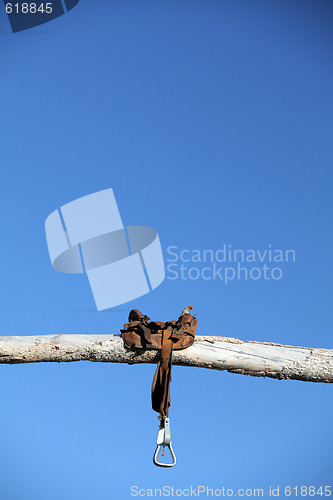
212, 122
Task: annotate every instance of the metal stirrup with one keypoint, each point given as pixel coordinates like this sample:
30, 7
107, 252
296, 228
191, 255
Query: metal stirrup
164, 440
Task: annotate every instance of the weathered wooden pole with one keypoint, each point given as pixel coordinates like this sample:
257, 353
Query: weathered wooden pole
259, 359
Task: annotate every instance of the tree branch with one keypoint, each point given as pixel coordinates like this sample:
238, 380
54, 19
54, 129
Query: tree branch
259, 359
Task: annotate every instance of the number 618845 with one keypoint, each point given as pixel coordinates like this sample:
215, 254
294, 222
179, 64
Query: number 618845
29, 8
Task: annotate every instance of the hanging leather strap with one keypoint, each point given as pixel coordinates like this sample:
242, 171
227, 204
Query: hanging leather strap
160, 390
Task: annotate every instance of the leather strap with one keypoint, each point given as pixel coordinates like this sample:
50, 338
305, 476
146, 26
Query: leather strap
160, 390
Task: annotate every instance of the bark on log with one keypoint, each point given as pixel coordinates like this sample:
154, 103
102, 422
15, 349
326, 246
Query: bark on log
259, 359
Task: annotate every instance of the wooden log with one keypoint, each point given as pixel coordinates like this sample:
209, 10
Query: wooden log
259, 359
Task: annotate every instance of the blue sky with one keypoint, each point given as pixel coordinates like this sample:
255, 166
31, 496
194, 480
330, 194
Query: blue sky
212, 122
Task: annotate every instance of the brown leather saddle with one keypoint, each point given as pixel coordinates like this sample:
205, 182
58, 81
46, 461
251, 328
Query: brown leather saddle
141, 333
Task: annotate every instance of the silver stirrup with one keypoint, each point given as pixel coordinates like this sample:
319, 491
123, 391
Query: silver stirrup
163, 441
